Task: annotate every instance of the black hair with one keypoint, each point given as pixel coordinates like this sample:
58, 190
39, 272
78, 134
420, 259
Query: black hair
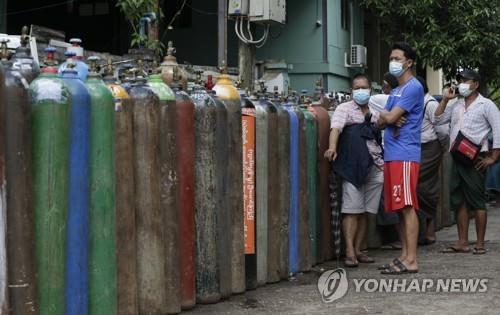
361, 76
409, 53
424, 83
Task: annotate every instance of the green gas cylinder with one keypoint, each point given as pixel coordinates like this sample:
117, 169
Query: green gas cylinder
102, 220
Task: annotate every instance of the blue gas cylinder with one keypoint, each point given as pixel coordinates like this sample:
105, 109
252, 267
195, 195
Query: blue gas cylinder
293, 223
76, 273
81, 67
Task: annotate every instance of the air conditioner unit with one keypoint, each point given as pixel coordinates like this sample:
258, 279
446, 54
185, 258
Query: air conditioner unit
358, 55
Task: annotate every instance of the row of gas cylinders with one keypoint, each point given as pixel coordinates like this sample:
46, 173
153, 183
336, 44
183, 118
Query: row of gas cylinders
140, 199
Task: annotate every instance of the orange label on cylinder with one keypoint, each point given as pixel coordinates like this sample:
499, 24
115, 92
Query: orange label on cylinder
248, 133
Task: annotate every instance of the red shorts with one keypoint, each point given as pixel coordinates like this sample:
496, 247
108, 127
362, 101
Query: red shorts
400, 185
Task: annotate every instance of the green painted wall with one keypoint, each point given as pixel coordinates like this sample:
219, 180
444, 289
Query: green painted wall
301, 44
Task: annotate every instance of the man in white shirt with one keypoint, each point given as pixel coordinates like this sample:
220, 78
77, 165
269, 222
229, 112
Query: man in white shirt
473, 116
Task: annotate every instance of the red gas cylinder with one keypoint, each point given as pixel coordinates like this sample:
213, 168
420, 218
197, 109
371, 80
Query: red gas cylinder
186, 194
325, 240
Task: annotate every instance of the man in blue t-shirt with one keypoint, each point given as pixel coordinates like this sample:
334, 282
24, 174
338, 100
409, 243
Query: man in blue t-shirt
403, 119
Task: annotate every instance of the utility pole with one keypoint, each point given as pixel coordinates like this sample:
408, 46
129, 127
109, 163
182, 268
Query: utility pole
246, 62
222, 33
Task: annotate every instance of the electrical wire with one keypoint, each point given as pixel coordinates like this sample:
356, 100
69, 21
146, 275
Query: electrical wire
249, 30
265, 39
200, 11
40, 8
238, 28
172, 20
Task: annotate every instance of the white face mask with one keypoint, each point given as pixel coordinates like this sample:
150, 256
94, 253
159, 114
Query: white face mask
396, 68
464, 89
361, 96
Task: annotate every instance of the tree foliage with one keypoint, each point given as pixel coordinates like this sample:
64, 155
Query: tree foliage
446, 34
134, 10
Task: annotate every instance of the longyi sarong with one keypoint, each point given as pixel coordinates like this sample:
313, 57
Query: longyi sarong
428, 181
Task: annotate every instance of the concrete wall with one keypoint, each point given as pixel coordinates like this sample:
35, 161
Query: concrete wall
434, 80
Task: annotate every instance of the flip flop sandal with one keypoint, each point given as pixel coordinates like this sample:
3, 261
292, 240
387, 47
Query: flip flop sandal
479, 251
400, 271
350, 262
391, 246
455, 250
389, 265
365, 259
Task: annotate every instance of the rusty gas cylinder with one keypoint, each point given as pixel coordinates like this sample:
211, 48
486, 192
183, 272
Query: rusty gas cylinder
125, 211
226, 91
171, 71
20, 71
152, 293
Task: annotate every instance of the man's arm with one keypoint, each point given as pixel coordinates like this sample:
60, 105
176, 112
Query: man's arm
493, 117
331, 153
392, 117
448, 94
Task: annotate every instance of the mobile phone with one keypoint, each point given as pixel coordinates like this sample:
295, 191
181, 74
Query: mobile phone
455, 89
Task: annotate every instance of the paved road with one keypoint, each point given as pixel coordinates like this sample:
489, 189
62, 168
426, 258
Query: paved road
301, 296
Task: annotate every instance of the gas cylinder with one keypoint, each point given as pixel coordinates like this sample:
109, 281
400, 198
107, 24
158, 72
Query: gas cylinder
3, 202
222, 209
304, 240
293, 221
81, 68
262, 187
151, 263
225, 90
102, 220
22, 59
312, 178
76, 48
186, 198
249, 182
168, 188
171, 71
325, 244
273, 214
207, 269
50, 129
76, 282
20, 236
124, 198
283, 156
267, 202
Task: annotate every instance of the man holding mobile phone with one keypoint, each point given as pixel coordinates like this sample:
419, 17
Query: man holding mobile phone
472, 117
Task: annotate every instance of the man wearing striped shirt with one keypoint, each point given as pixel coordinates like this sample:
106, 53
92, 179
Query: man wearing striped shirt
474, 116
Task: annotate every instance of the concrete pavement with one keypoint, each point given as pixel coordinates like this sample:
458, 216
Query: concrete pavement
301, 296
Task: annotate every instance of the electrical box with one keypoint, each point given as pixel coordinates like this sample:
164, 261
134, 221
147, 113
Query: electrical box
358, 55
238, 7
267, 11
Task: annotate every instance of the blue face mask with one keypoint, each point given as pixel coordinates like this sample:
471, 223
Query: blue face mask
396, 68
361, 96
